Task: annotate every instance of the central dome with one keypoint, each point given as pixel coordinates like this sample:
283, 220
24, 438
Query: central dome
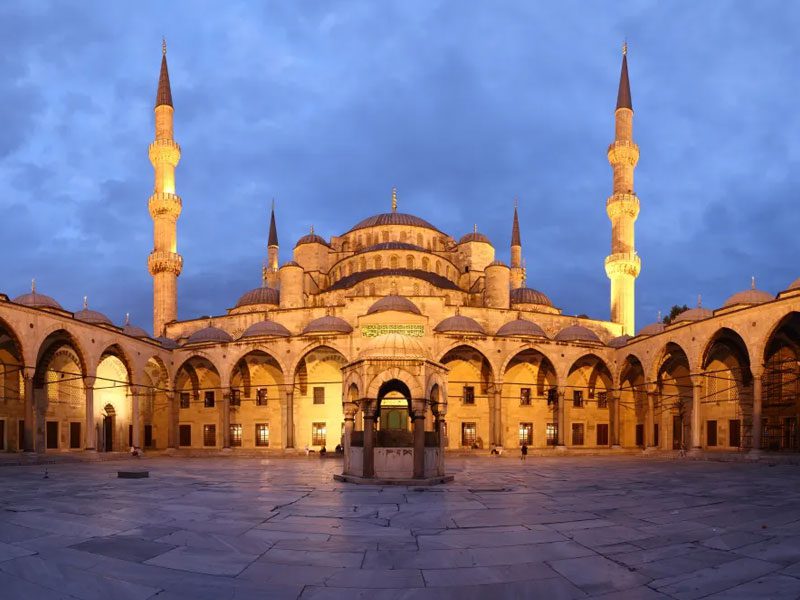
393, 218
394, 345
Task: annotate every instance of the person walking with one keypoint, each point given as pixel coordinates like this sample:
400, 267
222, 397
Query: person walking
523, 452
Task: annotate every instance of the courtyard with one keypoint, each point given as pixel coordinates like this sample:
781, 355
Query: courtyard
552, 527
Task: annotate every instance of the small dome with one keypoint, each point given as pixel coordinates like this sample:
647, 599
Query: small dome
36, 300
521, 328
291, 263
577, 333
311, 238
266, 328
134, 331
394, 302
474, 237
652, 329
259, 295
497, 263
167, 343
393, 218
394, 345
459, 324
751, 296
694, 314
795, 285
92, 316
529, 296
619, 341
328, 324
209, 334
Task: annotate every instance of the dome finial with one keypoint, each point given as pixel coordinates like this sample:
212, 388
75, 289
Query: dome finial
163, 45
394, 199
660, 318
753, 282
699, 300
85, 302
33, 285
475, 228
127, 318
625, 47
312, 230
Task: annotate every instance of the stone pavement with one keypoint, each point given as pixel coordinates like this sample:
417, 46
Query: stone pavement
561, 527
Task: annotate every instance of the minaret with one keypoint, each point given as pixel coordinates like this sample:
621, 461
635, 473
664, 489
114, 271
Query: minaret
517, 270
164, 262
270, 274
623, 264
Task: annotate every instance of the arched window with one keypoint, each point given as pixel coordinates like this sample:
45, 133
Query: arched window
409, 262
438, 267
419, 240
350, 268
403, 236
378, 262
385, 236
362, 264
345, 246
369, 239
394, 262
426, 264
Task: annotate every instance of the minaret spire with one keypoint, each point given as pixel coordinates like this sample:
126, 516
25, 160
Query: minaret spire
517, 270
623, 264
270, 271
164, 262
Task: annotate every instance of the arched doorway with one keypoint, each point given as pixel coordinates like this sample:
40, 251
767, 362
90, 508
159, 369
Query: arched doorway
586, 406
528, 406
393, 415
12, 405
468, 389
109, 424
781, 387
674, 386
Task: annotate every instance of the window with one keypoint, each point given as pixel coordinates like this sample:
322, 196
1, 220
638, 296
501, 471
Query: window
394, 262
469, 394
602, 434
469, 433
236, 435
236, 397
602, 400
639, 435
262, 434
552, 434
409, 262
261, 397
525, 434
208, 401
51, 432
525, 396
656, 438
148, 436
185, 435
319, 395
552, 397
734, 433
577, 434
74, 435
318, 432
378, 262
577, 398
711, 433
209, 435
185, 398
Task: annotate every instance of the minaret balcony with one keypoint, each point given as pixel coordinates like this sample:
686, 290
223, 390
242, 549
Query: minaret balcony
623, 263
164, 151
164, 262
623, 153
165, 204
621, 204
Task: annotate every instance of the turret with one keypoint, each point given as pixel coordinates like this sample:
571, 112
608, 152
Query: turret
517, 270
164, 262
496, 291
291, 278
270, 273
623, 264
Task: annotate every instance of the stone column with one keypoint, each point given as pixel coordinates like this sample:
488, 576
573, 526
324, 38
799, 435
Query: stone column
615, 424
369, 444
29, 443
349, 409
441, 430
39, 409
172, 418
419, 444
649, 436
756, 427
697, 392
561, 424
91, 431
496, 414
289, 423
225, 419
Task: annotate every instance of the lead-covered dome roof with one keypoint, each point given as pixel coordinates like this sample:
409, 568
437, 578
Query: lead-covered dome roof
167, 343
394, 345
266, 328
209, 334
312, 238
393, 218
474, 236
652, 329
693, 314
529, 296
577, 333
259, 295
37, 300
88, 315
394, 302
619, 341
328, 324
459, 324
521, 327
751, 296
795, 285
134, 331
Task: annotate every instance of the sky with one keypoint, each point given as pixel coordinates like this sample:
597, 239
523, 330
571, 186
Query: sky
462, 105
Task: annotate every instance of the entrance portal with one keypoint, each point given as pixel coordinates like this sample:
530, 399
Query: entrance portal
108, 428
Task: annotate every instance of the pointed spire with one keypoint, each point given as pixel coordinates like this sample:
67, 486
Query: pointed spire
164, 93
624, 93
394, 199
273, 230
515, 239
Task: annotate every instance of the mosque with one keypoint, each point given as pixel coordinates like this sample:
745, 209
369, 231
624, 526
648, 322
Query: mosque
395, 336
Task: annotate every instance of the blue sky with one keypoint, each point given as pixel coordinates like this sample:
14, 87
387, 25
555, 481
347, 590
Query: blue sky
461, 105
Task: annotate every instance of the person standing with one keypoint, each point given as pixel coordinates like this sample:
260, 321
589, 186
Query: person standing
523, 452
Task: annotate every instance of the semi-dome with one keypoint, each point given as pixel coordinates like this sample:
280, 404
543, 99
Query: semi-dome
167, 343
577, 333
259, 295
694, 314
619, 341
393, 218
327, 324
652, 329
88, 315
266, 328
394, 302
208, 335
474, 236
529, 296
751, 296
394, 345
521, 328
37, 300
312, 238
459, 324
134, 331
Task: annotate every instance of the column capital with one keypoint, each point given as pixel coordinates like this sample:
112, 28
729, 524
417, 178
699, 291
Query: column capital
89, 381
